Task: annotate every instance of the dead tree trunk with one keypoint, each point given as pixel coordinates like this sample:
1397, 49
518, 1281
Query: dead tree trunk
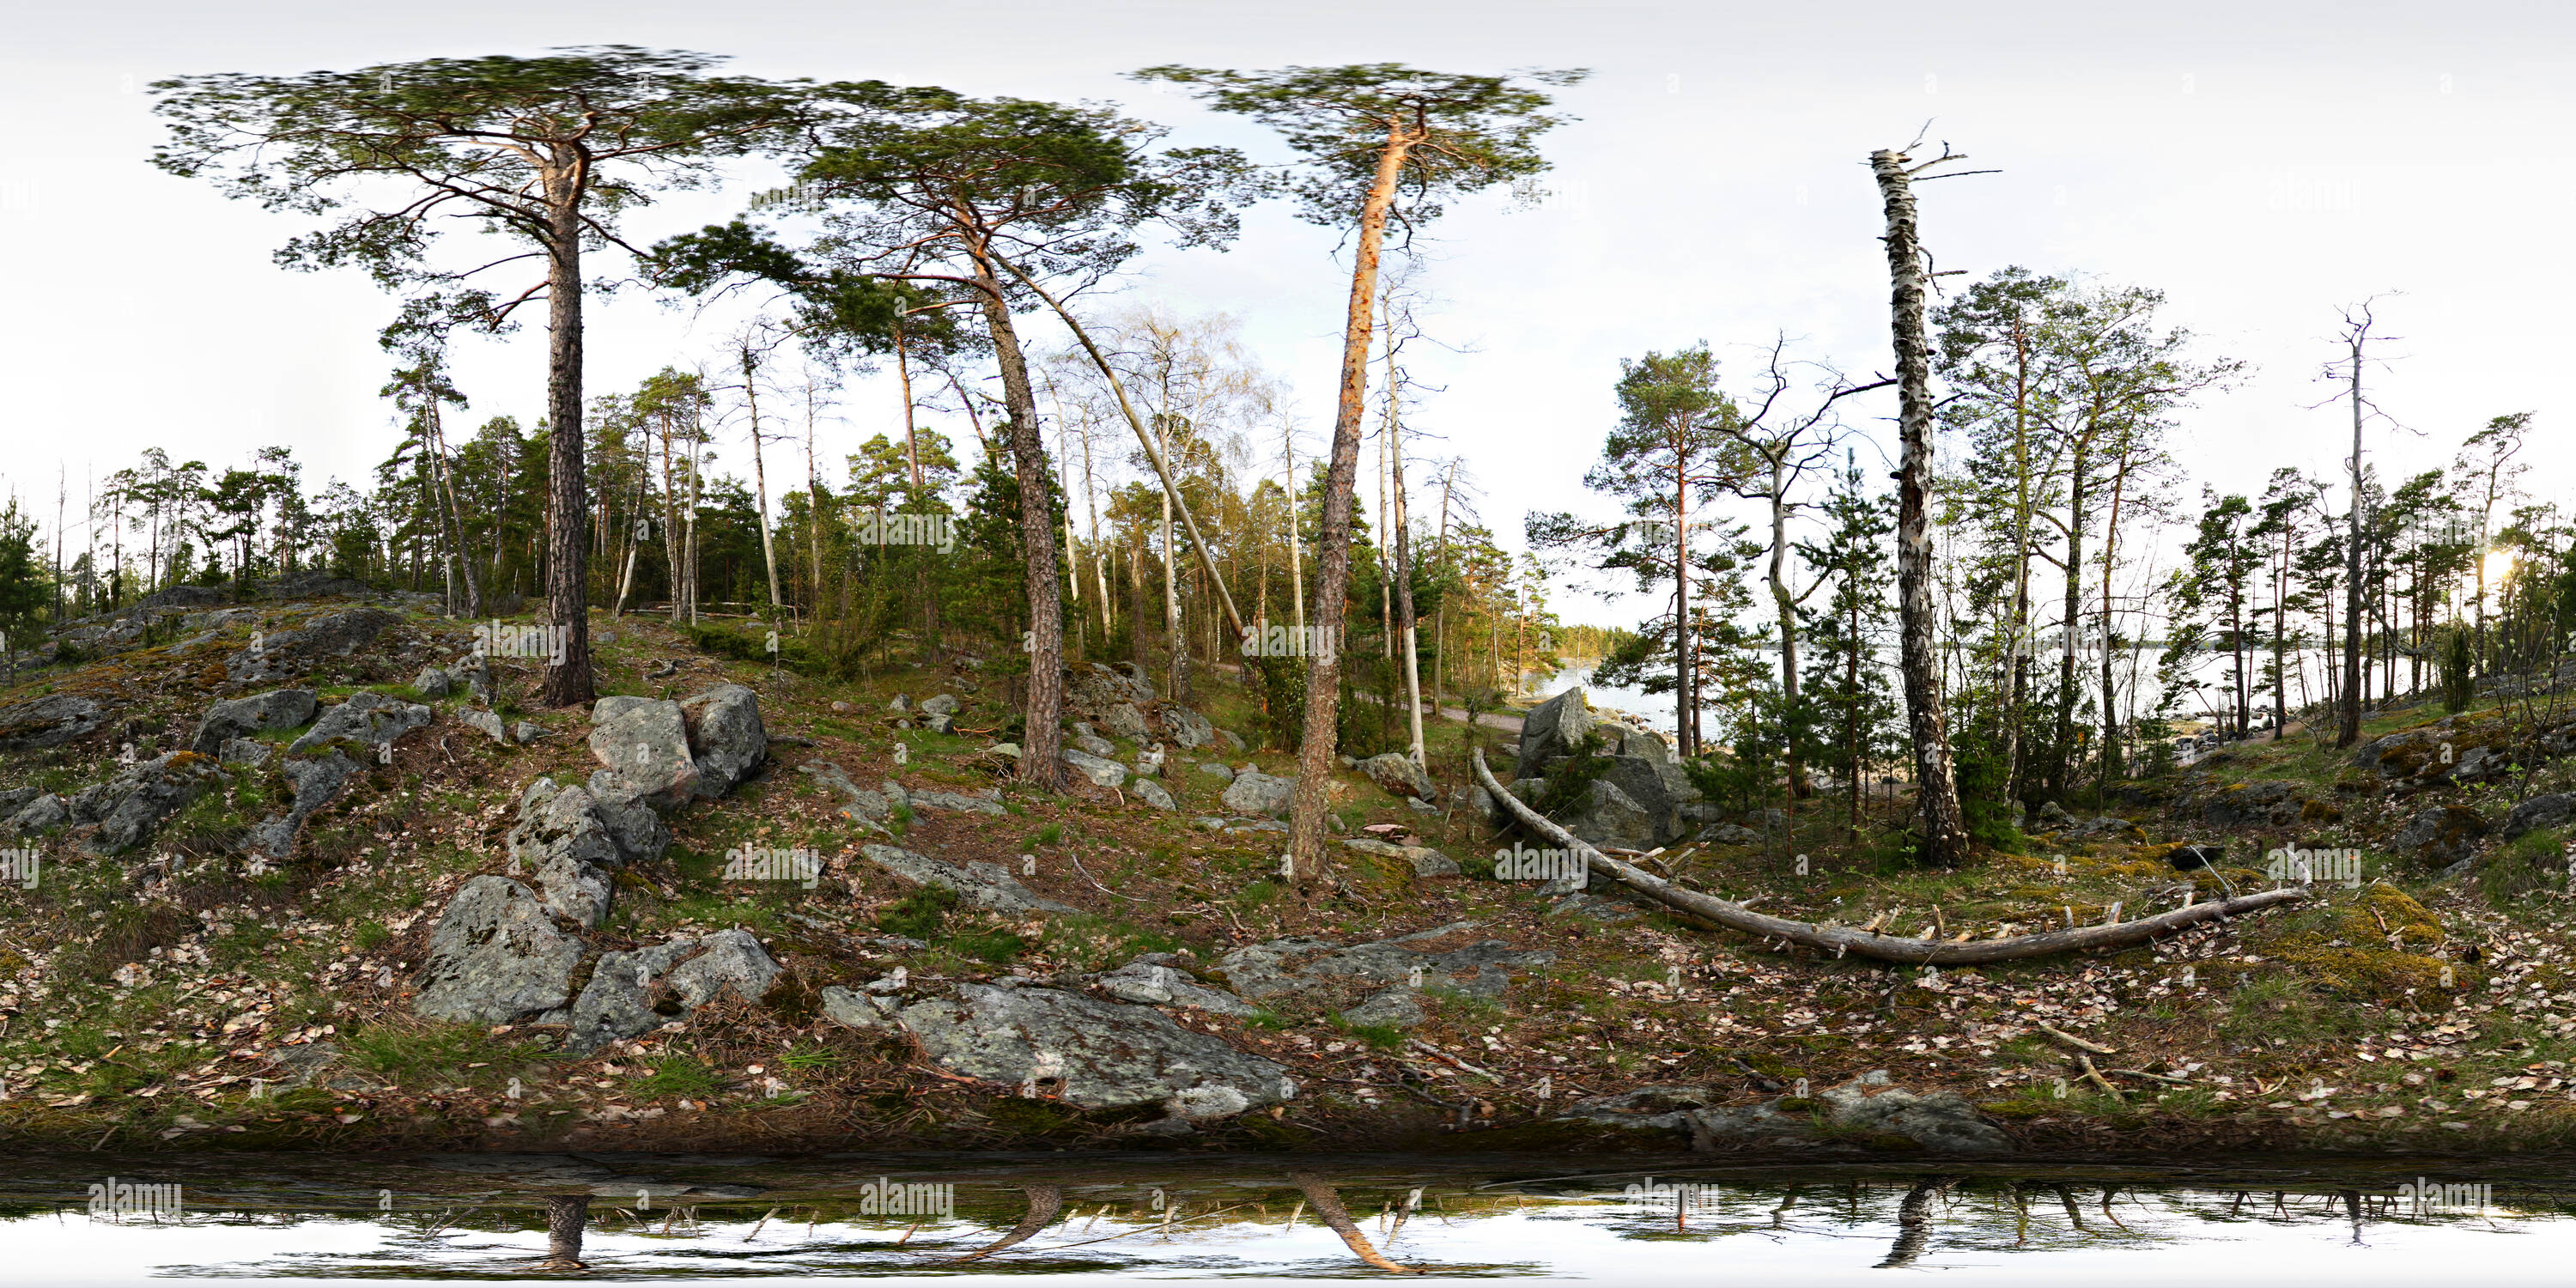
1936, 788
566, 1215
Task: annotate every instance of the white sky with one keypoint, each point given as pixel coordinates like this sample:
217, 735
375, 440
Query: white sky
2260, 163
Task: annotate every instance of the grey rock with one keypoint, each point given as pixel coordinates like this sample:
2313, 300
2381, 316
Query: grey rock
279, 654
725, 736
1393, 1008
1655, 1107
1552, 728
1613, 818
1398, 775
728, 961
639, 833
984, 885
245, 751
1186, 727
940, 722
133, 805
1090, 1053
16, 798
959, 802
1593, 907
274, 711
644, 744
1236, 740
1254, 792
2556, 809
369, 718
2442, 834
1217, 771
317, 783
619, 1001
1152, 983
1940, 1121
942, 705
2264, 803
1094, 745
1475, 797
900, 704
1107, 773
36, 815
1733, 834
856, 1010
860, 805
527, 731
486, 720
1099, 687
495, 957
434, 683
1427, 862
1124, 720
1289, 965
1153, 794
563, 842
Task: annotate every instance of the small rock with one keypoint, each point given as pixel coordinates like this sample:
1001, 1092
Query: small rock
527, 731
1254, 792
1106, 773
1398, 775
487, 720
1153, 794
1217, 771
942, 705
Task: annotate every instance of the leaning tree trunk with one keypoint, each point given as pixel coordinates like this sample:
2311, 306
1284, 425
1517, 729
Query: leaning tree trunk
1042, 739
2348, 731
566, 1214
568, 683
1333, 538
1936, 788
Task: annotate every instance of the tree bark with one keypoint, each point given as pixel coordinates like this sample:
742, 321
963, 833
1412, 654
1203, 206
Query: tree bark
566, 1215
1936, 788
569, 683
2348, 730
1042, 738
1405, 625
1306, 859
760, 478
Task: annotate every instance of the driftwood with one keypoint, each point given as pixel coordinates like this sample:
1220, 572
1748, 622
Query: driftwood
1839, 940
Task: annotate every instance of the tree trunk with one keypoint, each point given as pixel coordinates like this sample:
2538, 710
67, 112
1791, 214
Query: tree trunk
1936, 788
2348, 730
760, 480
566, 1215
1306, 860
1405, 624
1786, 609
1042, 738
566, 684
2062, 775
1685, 659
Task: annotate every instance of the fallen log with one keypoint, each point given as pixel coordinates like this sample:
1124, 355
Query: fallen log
1839, 940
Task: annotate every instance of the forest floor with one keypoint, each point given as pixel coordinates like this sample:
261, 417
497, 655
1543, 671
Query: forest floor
173, 999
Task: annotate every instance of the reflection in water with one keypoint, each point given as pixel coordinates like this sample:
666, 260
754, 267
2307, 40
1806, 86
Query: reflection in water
498, 1218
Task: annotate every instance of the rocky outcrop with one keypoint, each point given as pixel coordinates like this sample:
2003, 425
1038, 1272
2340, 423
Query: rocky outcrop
644, 745
2264, 803
279, 655
1479, 969
984, 885
130, 807
49, 721
726, 739
275, 711
1186, 728
2557, 809
369, 718
565, 846
495, 957
1254, 792
1097, 687
1124, 720
633, 993
1153, 980
2442, 834
37, 814
317, 782
1090, 1053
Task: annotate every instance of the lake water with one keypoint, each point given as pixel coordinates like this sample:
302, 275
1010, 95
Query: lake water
1155, 1218
2310, 663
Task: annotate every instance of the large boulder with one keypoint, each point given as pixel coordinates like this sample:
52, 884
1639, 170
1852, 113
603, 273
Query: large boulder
2442, 834
1398, 775
280, 655
1186, 727
985, 885
1552, 728
1098, 686
2556, 809
1611, 817
369, 718
725, 737
495, 957
1124, 720
272, 712
1256, 793
40, 812
1091, 1053
48, 721
1099, 769
564, 844
644, 743
633, 993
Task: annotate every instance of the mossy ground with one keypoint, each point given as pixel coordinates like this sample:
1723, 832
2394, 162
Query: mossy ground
150, 995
